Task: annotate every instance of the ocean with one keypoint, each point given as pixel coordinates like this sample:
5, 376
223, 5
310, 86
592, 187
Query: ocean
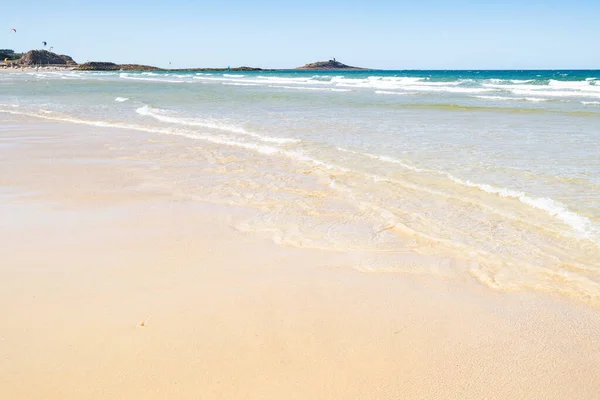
489, 175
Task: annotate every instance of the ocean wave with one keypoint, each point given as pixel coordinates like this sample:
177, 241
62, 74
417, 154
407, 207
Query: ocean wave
121, 99
239, 84
264, 149
164, 116
575, 85
591, 103
494, 97
382, 158
261, 80
216, 139
391, 83
159, 80
317, 89
581, 224
398, 93
554, 93
510, 86
503, 98
507, 81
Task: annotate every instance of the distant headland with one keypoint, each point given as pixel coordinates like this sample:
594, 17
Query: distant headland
331, 64
45, 58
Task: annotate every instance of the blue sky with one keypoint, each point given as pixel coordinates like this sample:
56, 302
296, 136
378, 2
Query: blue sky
425, 34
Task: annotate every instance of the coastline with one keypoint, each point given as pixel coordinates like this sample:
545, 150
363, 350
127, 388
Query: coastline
167, 70
228, 314
33, 69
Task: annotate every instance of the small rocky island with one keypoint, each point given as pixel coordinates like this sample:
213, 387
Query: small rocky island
331, 64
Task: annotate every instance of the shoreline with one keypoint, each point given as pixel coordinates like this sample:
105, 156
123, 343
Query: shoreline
135, 291
237, 69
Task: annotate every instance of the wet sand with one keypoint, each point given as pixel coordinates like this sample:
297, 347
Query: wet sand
114, 286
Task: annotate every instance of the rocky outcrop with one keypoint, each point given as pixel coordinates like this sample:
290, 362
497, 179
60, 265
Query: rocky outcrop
97, 66
108, 66
138, 67
44, 57
331, 64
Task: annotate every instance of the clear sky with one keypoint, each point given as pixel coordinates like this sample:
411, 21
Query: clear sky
425, 34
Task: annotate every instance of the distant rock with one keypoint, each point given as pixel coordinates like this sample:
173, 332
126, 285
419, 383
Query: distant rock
331, 64
246, 69
138, 67
97, 66
44, 57
108, 66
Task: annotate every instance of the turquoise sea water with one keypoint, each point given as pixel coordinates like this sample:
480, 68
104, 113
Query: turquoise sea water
497, 169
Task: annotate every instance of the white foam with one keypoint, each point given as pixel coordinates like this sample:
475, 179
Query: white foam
536, 99
509, 87
164, 116
502, 98
238, 84
121, 99
494, 97
382, 158
318, 89
397, 93
159, 80
591, 103
554, 88
507, 81
169, 131
575, 85
582, 225
263, 80
259, 148
234, 76
555, 93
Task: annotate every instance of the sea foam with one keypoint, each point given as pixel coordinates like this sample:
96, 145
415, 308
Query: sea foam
581, 224
165, 116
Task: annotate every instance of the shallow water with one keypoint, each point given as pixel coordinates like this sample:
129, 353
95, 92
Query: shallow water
497, 169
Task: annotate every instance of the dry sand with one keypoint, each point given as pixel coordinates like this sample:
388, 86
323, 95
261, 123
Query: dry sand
111, 287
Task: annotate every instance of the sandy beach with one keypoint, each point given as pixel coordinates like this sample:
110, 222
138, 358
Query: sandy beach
5, 68
114, 285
